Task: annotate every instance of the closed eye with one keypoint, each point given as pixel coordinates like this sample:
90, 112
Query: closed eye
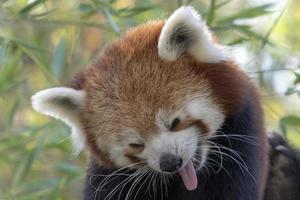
136, 145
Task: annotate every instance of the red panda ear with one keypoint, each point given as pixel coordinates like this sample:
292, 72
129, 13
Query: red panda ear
64, 104
184, 31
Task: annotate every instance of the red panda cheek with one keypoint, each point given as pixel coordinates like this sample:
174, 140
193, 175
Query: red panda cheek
134, 159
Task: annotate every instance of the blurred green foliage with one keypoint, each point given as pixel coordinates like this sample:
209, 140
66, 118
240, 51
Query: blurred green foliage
44, 42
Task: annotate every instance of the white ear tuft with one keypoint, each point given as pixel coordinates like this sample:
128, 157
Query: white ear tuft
64, 104
185, 31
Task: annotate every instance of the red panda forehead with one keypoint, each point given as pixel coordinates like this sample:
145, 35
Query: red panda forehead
131, 66
135, 91
131, 83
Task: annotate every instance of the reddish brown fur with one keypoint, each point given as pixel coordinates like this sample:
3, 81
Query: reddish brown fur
128, 83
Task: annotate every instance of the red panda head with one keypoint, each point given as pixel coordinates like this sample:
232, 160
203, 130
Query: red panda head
152, 98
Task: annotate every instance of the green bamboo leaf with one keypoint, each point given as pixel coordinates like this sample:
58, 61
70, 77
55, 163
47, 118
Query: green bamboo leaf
41, 61
12, 112
130, 12
248, 13
237, 41
104, 5
297, 79
3, 47
85, 7
292, 90
7, 73
59, 59
211, 12
230, 26
69, 169
30, 6
24, 167
111, 21
243, 29
291, 120
266, 38
221, 4
255, 35
27, 45
55, 193
283, 128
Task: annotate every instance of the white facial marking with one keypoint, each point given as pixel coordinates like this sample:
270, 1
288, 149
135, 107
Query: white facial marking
185, 142
182, 143
207, 111
64, 104
184, 31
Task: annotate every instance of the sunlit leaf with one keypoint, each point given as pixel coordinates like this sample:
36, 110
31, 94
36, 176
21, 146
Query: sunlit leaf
211, 12
237, 41
221, 4
243, 29
247, 13
30, 6
268, 34
130, 12
291, 120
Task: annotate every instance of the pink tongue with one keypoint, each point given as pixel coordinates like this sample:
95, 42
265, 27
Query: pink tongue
189, 177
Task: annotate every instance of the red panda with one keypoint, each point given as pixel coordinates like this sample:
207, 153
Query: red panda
165, 114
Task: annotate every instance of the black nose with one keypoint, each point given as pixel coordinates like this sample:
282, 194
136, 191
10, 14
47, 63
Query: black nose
170, 162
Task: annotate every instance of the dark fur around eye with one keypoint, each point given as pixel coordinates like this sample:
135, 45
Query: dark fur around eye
136, 145
174, 123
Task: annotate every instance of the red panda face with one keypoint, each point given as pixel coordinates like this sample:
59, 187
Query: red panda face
152, 98
140, 108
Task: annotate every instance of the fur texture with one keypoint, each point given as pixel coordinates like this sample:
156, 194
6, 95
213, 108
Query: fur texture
166, 87
234, 183
65, 104
185, 31
284, 174
155, 83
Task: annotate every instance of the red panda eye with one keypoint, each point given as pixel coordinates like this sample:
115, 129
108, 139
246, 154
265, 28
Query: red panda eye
174, 123
136, 145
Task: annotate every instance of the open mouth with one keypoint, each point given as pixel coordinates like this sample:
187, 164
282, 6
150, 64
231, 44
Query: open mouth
172, 164
188, 172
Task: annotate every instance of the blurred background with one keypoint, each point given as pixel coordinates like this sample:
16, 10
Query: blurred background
44, 42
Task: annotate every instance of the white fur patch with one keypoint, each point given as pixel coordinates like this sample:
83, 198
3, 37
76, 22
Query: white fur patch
207, 111
64, 104
182, 143
196, 38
